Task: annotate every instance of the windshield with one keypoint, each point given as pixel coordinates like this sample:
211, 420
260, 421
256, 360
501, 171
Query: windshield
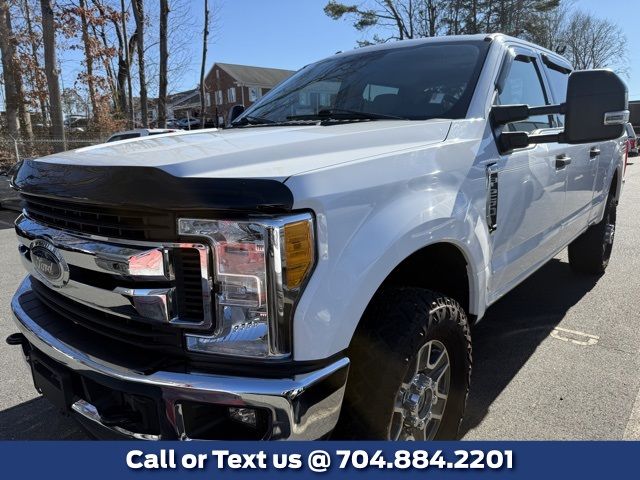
432, 80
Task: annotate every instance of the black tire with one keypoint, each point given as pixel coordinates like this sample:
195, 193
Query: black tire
398, 323
591, 251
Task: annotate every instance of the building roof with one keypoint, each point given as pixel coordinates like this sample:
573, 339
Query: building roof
258, 76
175, 97
185, 99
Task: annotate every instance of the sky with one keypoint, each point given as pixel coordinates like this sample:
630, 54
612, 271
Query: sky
272, 33
624, 14
292, 33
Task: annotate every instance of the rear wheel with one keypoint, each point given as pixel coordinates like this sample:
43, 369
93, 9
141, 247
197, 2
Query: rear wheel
591, 251
410, 369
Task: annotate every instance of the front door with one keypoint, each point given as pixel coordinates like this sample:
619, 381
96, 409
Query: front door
531, 184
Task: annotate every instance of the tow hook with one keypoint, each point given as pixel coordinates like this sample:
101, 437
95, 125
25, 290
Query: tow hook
16, 339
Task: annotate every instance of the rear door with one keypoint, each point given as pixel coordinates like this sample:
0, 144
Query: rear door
583, 159
531, 186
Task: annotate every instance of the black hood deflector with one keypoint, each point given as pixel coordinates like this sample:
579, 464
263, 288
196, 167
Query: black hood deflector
148, 187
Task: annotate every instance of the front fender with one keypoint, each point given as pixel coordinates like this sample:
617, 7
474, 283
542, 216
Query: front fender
366, 227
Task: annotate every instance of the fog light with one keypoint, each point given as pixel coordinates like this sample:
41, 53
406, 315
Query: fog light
243, 415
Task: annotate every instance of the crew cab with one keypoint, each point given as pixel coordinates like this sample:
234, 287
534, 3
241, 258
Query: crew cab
315, 270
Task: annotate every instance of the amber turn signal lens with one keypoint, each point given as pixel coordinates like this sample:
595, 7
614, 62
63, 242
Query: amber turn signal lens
298, 252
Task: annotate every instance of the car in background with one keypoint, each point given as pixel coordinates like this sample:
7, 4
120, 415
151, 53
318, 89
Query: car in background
191, 123
76, 124
138, 132
632, 141
9, 198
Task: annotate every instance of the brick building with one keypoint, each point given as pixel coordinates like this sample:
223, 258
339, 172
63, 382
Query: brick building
228, 85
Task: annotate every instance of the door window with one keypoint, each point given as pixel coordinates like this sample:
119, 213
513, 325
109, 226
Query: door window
558, 79
523, 86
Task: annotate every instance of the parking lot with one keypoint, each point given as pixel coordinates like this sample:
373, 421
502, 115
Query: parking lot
558, 358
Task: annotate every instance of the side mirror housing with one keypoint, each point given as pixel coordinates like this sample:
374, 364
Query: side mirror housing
234, 113
596, 108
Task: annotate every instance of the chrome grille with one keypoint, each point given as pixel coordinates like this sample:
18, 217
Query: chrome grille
140, 292
128, 331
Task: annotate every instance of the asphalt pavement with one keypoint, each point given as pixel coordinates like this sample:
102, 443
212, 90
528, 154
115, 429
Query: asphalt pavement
557, 358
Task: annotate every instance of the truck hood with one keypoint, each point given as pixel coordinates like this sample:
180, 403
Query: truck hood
260, 152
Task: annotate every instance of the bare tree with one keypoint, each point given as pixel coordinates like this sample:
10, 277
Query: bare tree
8, 69
205, 35
88, 57
39, 80
398, 17
138, 13
104, 48
10, 58
128, 45
406, 19
548, 28
595, 43
164, 54
50, 60
123, 67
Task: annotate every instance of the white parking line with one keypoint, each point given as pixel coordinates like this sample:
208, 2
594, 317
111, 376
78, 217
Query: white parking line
574, 336
632, 430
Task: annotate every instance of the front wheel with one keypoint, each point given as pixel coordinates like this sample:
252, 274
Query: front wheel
591, 251
410, 369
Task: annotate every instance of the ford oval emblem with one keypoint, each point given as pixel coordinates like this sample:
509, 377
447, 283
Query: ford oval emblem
48, 264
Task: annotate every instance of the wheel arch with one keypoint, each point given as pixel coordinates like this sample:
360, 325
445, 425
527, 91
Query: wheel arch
441, 266
454, 275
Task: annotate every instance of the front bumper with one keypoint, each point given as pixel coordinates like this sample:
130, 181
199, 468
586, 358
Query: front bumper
303, 407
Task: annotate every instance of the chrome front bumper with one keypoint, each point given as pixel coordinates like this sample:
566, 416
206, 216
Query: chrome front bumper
303, 407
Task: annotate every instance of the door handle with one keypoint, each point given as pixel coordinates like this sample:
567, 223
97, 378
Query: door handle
594, 152
562, 161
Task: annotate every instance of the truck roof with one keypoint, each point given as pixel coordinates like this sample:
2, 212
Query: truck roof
487, 37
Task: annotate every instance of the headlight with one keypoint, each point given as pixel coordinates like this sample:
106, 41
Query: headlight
259, 268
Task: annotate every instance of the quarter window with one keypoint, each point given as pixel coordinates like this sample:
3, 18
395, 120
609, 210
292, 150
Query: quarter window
523, 86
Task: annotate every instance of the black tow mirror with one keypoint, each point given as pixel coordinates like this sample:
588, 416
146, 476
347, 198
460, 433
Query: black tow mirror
596, 110
234, 113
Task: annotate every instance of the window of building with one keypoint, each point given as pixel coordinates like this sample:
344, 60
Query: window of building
324, 100
304, 99
219, 99
231, 94
254, 93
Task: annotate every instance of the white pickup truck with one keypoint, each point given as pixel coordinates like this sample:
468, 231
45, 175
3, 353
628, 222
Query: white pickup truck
315, 270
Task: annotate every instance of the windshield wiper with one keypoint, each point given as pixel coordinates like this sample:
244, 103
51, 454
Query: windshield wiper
252, 120
344, 114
